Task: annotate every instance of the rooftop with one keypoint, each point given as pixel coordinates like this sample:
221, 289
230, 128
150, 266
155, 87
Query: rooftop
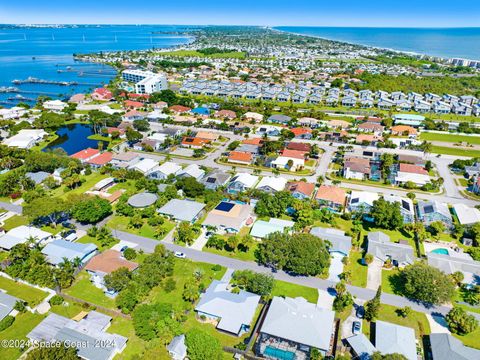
142, 200
109, 261
391, 338
262, 229
182, 210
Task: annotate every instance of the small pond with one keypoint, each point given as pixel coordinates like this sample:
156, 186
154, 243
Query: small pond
73, 138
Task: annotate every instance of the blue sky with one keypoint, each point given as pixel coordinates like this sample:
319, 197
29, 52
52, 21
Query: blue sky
370, 13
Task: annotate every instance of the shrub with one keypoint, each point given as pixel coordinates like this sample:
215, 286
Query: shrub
56, 300
129, 254
20, 306
6, 322
459, 322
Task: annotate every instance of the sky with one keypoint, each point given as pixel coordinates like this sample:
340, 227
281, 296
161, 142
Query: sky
367, 13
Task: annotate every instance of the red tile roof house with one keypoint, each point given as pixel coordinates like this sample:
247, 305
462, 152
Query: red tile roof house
296, 154
239, 157
179, 109
194, 142
138, 96
371, 139
226, 114
301, 189
403, 130
253, 141
160, 105
133, 115
299, 146
100, 160
102, 94
85, 155
130, 104
110, 130
370, 127
331, 197
414, 169
356, 168
302, 133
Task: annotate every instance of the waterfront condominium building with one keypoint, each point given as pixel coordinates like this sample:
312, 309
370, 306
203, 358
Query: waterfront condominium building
146, 82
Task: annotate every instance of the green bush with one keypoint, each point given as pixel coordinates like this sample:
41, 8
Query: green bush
6, 322
56, 300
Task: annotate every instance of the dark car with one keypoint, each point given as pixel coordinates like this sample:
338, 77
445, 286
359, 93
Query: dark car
357, 327
360, 312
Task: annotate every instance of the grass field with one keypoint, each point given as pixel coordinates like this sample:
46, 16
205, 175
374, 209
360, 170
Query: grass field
24, 323
453, 138
455, 151
14, 221
357, 269
388, 280
82, 288
27, 293
88, 182
416, 320
87, 239
121, 223
472, 339
286, 289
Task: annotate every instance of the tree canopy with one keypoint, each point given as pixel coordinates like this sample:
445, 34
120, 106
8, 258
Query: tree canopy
202, 346
386, 215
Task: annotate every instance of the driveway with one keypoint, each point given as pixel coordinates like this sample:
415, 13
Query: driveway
374, 274
325, 300
336, 266
200, 242
438, 324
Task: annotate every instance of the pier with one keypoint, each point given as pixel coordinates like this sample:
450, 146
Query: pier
32, 80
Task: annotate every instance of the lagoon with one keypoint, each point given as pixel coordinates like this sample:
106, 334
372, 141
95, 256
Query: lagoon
74, 137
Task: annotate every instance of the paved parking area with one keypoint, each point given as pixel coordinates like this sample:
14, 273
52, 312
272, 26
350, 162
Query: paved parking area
374, 274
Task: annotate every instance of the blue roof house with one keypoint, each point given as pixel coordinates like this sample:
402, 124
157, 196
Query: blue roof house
60, 249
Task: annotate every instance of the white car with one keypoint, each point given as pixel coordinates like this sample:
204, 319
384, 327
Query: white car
179, 254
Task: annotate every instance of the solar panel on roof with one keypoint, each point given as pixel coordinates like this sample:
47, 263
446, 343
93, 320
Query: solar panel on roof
428, 209
210, 180
405, 205
354, 201
225, 206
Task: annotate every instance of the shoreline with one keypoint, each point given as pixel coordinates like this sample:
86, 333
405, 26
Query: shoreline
410, 53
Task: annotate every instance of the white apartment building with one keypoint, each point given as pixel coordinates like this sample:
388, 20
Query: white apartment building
146, 82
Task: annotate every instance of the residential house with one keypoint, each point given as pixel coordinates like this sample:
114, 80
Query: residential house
295, 326
395, 339
362, 348
177, 348
25, 138
447, 347
371, 127
124, 159
408, 173
60, 250
54, 105
466, 215
226, 114
336, 239
331, 197
240, 157
192, 170
462, 109
229, 217
431, 211
356, 168
7, 304
182, 210
233, 312
406, 207
456, 262
87, 332
23, 234
100, 160
261, 229
102, 94
288, 162
302, 133
165, 170
368, 139
361, 201
242, 182
403, 130
252, 116
271, 184
380, 246
300, 189
299, 146
215, 179
279, 119
194, 142
440, 107
422, 106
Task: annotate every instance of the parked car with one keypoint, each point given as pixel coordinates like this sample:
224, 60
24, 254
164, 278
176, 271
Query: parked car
357, 327
360, 312
179, 254
70, 235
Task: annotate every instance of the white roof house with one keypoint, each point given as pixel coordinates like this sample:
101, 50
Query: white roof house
406, 206
363, 199
192, 170
418, 179
25, 139
391, 338
235, 312
272, 184
21, 234
7, 303
182, 210
166, 169
244, 180
177, 348
145, 166
281, 162
299, 321
54, 105
262, 229
466, 215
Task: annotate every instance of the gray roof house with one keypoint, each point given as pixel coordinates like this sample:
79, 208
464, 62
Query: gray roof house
37, 177
431, 211
7, 302
234, 312
447, 347
58, 250
295, 325
215, 179
391, 338
182, 210
96, 343
177, 348
451, 264
362, 348
339, 242
281, 119
380, 246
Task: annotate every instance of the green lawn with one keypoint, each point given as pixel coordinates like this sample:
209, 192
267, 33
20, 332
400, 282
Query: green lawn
24, 323
87, 239
240, 255
121, 223
14, 221
388, 280
357, 269
67, 309
453, 138
463, 182
27, 293
453, 150
416, 320
472, 339
286, 289
82, 288
135, 345
88, 181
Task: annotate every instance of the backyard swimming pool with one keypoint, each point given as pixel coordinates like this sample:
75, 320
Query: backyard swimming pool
441, 251
278, 353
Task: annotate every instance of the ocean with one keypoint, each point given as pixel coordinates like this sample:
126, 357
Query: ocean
47, 53
442, 42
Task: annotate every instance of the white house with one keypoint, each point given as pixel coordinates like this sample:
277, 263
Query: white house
192, 170
54, 105
242, 182
272, 184
26, 138
166, 169
362, 201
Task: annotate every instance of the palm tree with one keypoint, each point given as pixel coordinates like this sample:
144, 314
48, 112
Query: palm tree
77, 262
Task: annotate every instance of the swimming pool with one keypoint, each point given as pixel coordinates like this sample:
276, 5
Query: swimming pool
278, 353
441, 251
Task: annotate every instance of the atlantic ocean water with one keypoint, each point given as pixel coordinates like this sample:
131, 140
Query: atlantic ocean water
442, 42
